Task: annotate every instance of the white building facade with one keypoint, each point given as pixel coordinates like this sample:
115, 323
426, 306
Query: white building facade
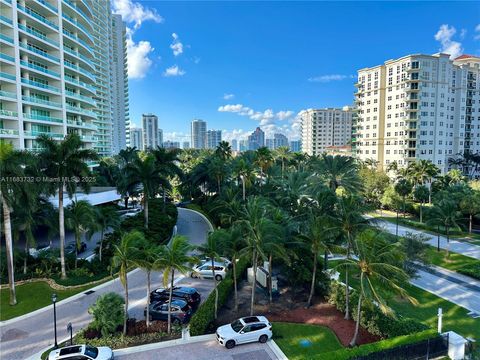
136, 138
214, 137
322, 128
150, 131
418, 107
198, 134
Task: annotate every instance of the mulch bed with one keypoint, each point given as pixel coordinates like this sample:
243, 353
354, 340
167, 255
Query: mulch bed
326, 315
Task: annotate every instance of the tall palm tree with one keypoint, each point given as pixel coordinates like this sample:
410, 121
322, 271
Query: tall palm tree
79, 217
470, 205
403, 188
263, 159
218, 170
284, 155
379, 265
143, 172
231, 245
167, 162
106, 218
124, 159
64, 160
224, 151
12, 164
212, 250
445, 213
173, 257
421, 194
338, 171
243, 170
126, 253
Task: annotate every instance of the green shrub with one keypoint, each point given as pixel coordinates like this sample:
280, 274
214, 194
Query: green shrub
205, 313
117, 341
108, 313
472, 270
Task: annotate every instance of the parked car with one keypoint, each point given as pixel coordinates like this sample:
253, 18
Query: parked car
180, 311
189, 294
70, 248
81, 352
205, 271
220, 260
244, 330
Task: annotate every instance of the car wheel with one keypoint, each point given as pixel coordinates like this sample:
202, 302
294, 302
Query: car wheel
230, 344
263, 339
218, 277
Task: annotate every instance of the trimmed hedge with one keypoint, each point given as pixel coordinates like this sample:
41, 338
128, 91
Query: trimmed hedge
472, 270
362, 350
205, 313
373, 320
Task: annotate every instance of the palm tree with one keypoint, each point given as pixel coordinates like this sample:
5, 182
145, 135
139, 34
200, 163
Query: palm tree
64, 160
126, 253
218, 170
380, 267
283, 153
231, 245
12, 164
421, 194
445, 213
167, 163
173, 257
212, 250
403, 188
106, 218
143, 172
471, 206
124, 159
79, 217
263, 159
338, 171
224, 151
243, 169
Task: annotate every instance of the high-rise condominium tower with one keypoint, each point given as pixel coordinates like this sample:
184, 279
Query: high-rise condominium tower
322, 128
136, 138
295, 145
150, 131
418, 107
234, 144
160, 137
214, 137
55, 76
198, 134
256, 139
278, 140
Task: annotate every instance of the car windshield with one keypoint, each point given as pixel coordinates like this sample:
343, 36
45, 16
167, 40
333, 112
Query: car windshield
91, 351
237, 326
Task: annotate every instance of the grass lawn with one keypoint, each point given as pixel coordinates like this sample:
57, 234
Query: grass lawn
30, 297
303, 341
454, 261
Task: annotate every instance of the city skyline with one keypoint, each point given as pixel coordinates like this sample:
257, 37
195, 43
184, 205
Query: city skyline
262, 82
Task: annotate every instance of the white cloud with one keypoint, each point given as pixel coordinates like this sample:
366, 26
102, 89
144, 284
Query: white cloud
173, 71
176, 45
330, 77
444, 35
477, 32
134, 12
176, 136
284, 115
228, 96
138, 60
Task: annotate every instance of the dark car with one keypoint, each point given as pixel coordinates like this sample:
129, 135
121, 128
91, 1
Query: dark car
180, 311
70, 248
188, 294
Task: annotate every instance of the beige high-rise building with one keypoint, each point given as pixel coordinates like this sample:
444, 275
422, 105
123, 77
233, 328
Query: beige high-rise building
322, 128
418, 107
150, 131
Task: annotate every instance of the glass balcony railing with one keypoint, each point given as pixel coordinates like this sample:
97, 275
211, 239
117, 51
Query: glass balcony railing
7, 57
82, 124
8, 1
79, 11
8, 132
79, 25
48, 5
38, 35
36, 16
7, 76
80, 110
83, 57
36, 100
42, 118
80, 69
81, 83
8, 94
39, 52
7, 20
80, 97
6, 38
49, 133
77, 39
40, 85
39, 68
8, 113
88, 138
87, 6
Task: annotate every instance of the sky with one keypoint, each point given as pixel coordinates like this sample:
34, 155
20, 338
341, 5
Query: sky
239, 65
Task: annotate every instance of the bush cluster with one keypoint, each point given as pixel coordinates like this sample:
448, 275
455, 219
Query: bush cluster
116, 341
373, 320
205, 313
472, 270
108, 313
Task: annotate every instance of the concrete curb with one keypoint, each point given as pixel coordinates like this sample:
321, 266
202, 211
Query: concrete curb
62, 302
276, 350
201, 215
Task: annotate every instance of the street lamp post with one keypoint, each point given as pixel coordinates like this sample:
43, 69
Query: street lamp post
54, 301
70, 329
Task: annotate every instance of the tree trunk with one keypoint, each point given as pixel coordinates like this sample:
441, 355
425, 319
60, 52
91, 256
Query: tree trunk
404, 214
254, 285
357, 324
421, 211
77, 242
396, 228
235, 290
145, 211
218, 185
147, 320
26, 256
470, 223
9, 250
438, 237
126, 202
169, 327
61, 228
126, 306
243, 187
101, 245
215, 288
325, 260
347, 296
447, 228
270, 278
312, 286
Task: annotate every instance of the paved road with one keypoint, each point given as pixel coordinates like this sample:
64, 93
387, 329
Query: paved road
460, 247
207, 350
25, 337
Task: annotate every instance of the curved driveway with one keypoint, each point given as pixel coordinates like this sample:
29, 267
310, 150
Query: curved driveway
27, 336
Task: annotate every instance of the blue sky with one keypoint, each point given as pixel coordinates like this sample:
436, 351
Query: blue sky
238, 65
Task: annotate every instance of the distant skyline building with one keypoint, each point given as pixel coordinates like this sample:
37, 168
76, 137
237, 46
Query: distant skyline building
214, 137
171, 144
256, 139
269, 143
186, 145
160, 137
136, 138
243, 145
150, 131
322, 128
234, 145
278, 140
295, 145
198, 134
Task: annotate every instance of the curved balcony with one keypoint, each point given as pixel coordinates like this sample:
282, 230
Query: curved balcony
80, 56
40, 69
80, 70
77, 24
45, 55
78, 40
81, 124
49, 133
40, 85
81, 111
45, 118
35, 100
42, 19
79, 11
84, 85
48, 6
88, 138
38, 35
80, 97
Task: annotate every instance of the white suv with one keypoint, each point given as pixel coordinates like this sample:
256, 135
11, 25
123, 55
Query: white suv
205, 271
81, 352
244, 330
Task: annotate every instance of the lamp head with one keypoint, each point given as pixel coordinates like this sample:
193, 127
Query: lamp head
54, 298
